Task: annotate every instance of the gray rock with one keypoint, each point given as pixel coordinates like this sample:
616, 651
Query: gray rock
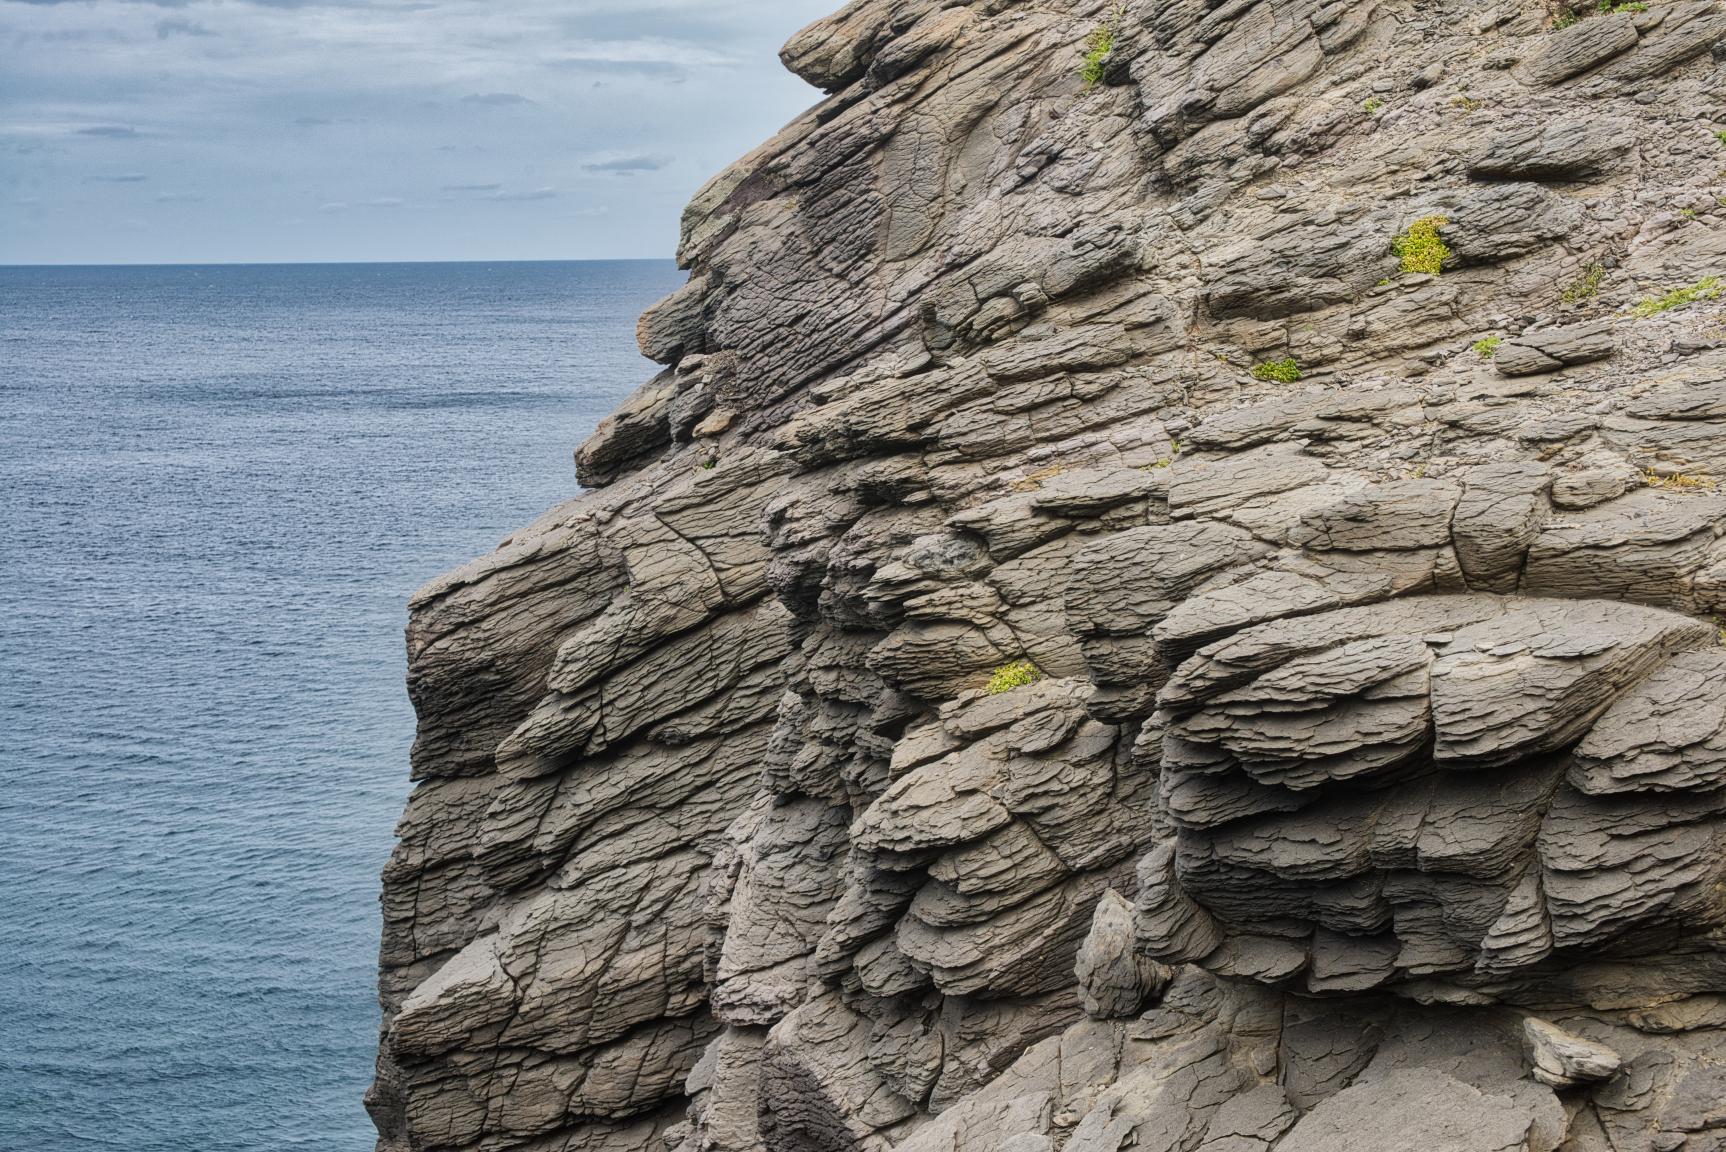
973, 709
1584, 45
1116, 979
1413, 1112
1563, 1059
1554, 348
1563, 150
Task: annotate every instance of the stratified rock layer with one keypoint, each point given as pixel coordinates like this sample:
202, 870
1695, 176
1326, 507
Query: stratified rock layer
986, 704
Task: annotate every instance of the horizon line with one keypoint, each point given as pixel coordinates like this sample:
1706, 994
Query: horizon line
336, 263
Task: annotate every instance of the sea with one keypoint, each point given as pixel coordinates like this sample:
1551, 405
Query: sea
218, 487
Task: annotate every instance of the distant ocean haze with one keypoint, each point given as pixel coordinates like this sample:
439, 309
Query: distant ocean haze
220, 486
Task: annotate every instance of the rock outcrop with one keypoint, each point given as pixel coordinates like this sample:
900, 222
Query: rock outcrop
1165, 598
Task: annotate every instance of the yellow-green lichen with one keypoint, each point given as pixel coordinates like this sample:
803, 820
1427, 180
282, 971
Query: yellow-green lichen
1018, 674
1587, 286
1421, 248
1708, 288
1284, 371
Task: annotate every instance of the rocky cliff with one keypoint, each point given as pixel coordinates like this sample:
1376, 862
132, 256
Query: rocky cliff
1163, 599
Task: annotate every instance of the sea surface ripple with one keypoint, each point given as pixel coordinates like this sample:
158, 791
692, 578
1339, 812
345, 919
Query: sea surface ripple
220, 485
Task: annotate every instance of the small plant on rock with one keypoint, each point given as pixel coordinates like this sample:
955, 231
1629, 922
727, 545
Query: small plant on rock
1284, 371
1373, 106
1680, 481
1421, 248
1467, 103
1018, 674
1708, 288
1569, 16
1720, 136
1174, 450
1485, 348
1099, 46
1587, 286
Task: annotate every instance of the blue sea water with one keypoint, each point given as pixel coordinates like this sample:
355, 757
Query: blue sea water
218, 486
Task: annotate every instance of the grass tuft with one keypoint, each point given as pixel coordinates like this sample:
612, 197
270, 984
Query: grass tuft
1098, 47
1421, 248
1284, 371
1587, 286
1708, 288
1018, 674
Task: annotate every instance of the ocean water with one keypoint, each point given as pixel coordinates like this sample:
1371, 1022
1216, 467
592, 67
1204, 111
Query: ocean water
219, 486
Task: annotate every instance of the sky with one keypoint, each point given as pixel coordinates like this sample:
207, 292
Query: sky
192, 131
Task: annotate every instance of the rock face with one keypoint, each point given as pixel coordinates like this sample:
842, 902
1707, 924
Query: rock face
974, 709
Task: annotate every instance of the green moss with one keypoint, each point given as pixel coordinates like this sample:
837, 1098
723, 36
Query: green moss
1421, 248
1284, 371
1569, 17
1587, 286
1098, 46
1373, 106
1708, 288
1486, 347
1018, 674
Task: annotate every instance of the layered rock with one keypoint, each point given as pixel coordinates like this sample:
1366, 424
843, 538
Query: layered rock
1083, 645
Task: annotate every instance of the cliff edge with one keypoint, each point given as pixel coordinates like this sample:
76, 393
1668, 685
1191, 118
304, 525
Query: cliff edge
1164, 599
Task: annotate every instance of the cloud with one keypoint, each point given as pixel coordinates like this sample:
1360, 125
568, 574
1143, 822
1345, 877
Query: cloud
665, 70
180, 27
533, 194
379, 202
478, 123
626, 165
123, 178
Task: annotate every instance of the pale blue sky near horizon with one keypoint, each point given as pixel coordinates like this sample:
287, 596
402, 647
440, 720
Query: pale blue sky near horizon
221, 131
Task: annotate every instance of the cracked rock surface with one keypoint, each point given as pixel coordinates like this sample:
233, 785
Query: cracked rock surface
972, 709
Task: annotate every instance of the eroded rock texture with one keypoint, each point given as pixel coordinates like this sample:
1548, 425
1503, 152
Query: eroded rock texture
1370, 792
